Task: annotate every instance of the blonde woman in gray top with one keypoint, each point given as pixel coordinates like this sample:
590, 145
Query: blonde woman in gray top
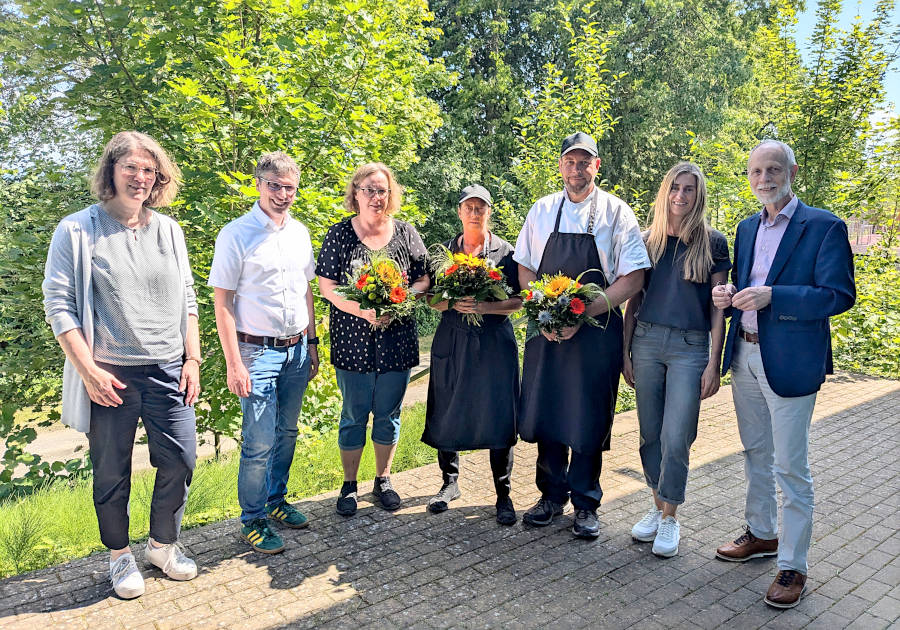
118, 293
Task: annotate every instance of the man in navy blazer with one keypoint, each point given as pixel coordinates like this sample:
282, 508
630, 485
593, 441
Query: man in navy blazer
793, 270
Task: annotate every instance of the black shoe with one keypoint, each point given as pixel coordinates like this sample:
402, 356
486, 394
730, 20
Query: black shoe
586, 524
506, 513
346, 503
543, 512
386, 494
448, 492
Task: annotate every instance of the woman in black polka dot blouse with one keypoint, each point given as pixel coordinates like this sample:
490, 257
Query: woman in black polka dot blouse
372, 356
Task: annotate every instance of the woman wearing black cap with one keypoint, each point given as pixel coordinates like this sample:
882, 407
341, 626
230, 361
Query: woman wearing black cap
473, 392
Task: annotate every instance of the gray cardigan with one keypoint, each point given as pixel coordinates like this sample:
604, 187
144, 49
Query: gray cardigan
69, 299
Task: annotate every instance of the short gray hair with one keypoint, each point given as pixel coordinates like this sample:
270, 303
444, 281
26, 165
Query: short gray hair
278, 163
789, 159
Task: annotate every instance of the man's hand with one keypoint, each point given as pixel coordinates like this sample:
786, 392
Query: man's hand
709, 381
752, 298
722, 295
101, 387
238, 379
190, 381
313, 361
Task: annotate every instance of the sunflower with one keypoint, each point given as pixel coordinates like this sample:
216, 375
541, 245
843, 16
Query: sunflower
557, 285
388, 274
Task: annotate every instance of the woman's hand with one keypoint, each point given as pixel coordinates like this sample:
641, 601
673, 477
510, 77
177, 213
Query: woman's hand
709, 381
101, 387
628, 371
190, 381
567, 333
369, 315
466, 305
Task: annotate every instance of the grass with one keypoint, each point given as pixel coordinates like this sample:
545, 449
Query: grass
57, 523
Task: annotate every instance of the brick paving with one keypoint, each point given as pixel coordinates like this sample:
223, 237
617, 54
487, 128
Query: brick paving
461, 569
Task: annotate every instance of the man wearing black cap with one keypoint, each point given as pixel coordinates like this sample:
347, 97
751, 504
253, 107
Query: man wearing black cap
570, 382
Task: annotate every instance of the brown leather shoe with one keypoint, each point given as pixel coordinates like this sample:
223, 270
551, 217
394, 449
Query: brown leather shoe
747, 546
786, 590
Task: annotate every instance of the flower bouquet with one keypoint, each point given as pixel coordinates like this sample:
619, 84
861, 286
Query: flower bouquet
460, 276
553, 303
380, 285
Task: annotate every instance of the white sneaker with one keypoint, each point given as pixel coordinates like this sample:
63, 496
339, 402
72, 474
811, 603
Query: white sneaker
645, 529
171, 559
126, 579
666, 542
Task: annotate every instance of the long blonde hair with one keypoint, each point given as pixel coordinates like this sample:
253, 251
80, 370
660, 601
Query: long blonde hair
694, 229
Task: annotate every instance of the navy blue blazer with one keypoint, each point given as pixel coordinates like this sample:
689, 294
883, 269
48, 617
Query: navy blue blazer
811, 279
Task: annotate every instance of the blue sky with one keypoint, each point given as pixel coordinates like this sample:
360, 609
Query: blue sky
807, 20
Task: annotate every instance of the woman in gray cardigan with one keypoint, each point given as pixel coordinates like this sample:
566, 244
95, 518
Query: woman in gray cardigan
118, 293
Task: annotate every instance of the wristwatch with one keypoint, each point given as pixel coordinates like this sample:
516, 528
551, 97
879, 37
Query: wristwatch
312, 341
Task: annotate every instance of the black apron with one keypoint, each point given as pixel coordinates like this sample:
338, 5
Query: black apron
569, 389
473, 389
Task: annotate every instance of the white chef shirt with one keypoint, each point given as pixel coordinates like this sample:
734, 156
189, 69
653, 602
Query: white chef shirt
616, 232
269, 269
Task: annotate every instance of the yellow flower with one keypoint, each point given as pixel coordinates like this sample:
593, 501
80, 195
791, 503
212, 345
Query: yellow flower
557, 285
388, 274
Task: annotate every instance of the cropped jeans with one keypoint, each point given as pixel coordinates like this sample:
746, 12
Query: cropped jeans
668, 363
365, 393
279, 377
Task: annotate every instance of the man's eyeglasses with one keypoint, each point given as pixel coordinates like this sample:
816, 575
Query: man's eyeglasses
275, 187
375, 192
133, 169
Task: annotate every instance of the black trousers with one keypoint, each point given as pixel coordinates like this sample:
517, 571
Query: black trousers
501, 468
557, 478
151, 393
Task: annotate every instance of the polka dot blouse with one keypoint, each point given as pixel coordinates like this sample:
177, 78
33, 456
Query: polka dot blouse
355, 345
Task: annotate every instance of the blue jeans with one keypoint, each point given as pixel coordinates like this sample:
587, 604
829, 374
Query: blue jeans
269, 432
365, 393
668, 363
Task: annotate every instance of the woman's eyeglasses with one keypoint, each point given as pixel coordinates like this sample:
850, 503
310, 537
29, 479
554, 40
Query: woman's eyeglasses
375, 192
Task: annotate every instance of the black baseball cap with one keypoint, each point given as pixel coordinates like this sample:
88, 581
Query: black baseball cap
475, 190
579, 140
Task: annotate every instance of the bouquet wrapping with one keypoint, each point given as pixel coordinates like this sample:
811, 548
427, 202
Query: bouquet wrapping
459, 276
553, 303
380, 285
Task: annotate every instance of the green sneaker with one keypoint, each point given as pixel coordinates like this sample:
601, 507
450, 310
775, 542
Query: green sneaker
288, 515
261, 538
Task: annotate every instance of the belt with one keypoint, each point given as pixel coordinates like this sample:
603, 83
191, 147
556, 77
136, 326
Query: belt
275, 342
748, 336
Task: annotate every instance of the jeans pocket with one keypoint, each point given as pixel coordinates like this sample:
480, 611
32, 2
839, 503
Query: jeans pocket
696, 338
641, 328
250, 352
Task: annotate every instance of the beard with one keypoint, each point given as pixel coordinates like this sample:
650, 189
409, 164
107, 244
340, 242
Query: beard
776, 195
577, 188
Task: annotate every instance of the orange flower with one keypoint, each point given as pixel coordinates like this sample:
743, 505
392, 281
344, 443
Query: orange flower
398, 294
576, 306
362, 281
451, 269
495, 275
529, 295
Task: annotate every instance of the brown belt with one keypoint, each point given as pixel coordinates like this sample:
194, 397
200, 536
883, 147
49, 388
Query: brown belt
748, 336
275, 342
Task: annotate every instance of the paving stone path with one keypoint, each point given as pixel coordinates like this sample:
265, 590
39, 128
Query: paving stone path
461, 569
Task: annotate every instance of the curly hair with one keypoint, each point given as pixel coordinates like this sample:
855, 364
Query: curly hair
168, 177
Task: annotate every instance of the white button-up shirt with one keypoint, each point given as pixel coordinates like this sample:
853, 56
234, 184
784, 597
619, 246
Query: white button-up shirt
269, 269
616, 232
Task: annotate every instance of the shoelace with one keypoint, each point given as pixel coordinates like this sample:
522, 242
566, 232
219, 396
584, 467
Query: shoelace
785, 578
649, 517
122, 567
175, 554
667, 529
582, 514
745, 538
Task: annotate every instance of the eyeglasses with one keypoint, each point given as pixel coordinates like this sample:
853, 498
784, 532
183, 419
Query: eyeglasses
375, 192
133, 169
275, 187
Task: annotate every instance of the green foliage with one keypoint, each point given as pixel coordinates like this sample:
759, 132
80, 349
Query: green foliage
867, 337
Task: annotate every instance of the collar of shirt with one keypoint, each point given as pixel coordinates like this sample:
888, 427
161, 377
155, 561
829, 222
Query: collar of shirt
265, 221
585, 203
787, 212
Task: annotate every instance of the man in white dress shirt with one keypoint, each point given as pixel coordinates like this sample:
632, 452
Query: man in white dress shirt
265, 316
